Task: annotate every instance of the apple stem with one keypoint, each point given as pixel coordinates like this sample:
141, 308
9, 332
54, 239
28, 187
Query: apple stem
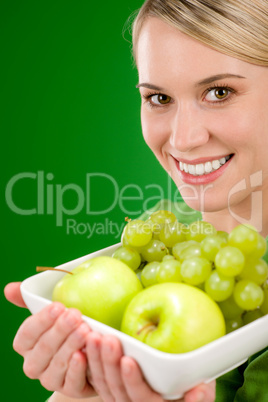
150, 324
40, 269
127, 219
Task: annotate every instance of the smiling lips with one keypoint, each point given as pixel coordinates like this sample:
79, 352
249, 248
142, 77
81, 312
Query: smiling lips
199, 173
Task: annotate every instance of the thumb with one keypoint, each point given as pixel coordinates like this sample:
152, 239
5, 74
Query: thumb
13, 294
202, 393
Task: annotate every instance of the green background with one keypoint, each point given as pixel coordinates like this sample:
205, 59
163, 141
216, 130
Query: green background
69, 107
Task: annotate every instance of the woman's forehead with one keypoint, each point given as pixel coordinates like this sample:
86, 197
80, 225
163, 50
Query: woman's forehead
163, 49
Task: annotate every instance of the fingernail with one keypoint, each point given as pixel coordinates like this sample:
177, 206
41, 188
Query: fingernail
55, 311
84, 328
71, 319
81, 331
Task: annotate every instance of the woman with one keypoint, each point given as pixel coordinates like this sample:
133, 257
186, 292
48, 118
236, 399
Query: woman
203, 80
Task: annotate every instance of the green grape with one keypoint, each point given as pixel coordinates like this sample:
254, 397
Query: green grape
168, 257
244, 237
191, 251
264, 305
125, 243
129, 256
223, 235
155, 228
172, 233
251, 316
219, 287
137, 233
248, 295
210, 245
229, 261
260, 249
169, 271
195, 270
198, 230
148, 274
179, 247
158, 219
230, 309
233, 324
255, 271
163, 217
155, 250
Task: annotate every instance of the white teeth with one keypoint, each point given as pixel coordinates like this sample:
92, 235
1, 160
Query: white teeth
192, 169
216, 164
200, 169
203, 168
185, 167
208, 167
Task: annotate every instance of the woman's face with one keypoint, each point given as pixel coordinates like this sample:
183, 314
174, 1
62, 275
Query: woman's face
204, 115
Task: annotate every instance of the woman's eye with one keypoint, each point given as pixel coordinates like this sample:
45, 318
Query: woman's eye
160, 99
217, 94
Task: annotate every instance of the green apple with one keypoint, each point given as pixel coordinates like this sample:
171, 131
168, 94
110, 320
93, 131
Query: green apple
173, 318
100, 288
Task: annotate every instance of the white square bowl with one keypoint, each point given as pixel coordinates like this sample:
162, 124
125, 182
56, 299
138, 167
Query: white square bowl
168, 374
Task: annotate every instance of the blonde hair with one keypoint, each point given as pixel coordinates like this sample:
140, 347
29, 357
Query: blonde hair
238, 28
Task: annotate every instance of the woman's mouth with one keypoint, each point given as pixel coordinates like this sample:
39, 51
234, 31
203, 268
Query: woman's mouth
201, 173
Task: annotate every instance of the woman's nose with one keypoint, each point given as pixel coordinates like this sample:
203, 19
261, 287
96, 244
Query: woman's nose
188, 129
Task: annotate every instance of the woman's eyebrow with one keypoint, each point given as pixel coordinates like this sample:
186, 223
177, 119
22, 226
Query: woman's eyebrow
205, 81
216, 77
150, 86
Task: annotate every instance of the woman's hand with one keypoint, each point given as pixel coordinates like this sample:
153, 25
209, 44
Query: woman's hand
118, 378
51, 343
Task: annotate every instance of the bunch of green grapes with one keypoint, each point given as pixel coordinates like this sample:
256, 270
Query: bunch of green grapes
229, 267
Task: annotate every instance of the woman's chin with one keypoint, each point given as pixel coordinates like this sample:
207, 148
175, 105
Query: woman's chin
205, 204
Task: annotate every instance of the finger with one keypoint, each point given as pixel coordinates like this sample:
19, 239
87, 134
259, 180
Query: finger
93, 351
59, 362
202, 393
111, 353
13, 294
76, 383
135, 384
34, 326
39, 357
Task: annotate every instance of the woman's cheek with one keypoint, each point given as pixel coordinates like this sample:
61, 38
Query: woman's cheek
155, 134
